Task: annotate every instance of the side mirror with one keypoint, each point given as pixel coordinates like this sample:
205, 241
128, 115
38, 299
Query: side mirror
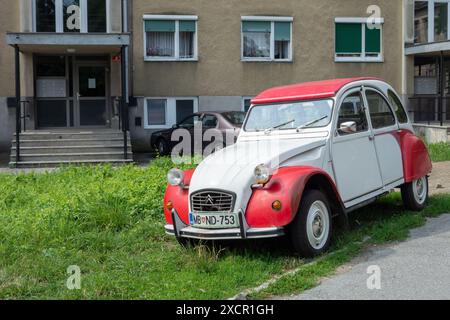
348, 127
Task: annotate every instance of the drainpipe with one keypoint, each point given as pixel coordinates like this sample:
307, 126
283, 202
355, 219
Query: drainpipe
124, 73
18, 98
442, 88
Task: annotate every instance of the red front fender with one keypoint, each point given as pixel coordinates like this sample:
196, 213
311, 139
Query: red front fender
416, 161
179, 198
287, 185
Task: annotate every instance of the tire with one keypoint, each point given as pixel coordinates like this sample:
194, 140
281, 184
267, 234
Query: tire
162, 147
312, 227
415, 194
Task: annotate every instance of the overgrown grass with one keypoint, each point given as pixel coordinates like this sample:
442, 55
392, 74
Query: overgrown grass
439, 151
109, 222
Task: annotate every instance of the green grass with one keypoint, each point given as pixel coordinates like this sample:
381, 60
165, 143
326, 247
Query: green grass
109, 222
439, 151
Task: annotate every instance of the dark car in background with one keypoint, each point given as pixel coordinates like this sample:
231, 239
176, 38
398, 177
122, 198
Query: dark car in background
224, 122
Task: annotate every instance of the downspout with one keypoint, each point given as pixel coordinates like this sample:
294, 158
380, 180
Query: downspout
18, 104
124, 76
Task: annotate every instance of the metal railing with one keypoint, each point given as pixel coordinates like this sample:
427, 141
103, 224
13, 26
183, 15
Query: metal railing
430, 109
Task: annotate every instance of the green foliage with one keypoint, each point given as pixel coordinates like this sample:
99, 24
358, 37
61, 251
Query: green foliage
439, 151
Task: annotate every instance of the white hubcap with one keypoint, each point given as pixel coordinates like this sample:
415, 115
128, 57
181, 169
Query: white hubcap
420, 190
318, 225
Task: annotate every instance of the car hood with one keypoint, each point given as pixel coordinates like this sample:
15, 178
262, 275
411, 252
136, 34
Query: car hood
232, 169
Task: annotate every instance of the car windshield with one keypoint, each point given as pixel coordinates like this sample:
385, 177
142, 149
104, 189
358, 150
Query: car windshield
236, 118
288, 116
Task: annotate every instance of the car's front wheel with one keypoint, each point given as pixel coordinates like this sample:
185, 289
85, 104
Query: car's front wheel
162, 147
311, 229
415, 194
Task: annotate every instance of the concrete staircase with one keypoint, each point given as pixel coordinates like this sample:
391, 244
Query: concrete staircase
54, 148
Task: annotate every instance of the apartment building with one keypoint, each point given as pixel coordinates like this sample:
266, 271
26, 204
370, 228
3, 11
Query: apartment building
121, 69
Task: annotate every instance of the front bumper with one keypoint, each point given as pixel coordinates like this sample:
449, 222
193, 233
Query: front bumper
181, 230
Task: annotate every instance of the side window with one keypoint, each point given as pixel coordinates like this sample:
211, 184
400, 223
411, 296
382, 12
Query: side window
209, 122
398, 107
380, 112
352, 111
189, 122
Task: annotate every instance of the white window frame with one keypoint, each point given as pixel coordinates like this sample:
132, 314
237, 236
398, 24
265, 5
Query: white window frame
177, 19
430, 38
171, 114
243, 102
59, 16
362, 57
272, 21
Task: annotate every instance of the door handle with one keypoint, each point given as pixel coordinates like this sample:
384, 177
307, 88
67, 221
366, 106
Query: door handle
78, 96
371, 138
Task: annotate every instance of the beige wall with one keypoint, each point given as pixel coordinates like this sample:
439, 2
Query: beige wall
9, 17
219, 70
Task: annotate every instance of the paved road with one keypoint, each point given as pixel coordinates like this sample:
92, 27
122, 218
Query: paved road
418, 268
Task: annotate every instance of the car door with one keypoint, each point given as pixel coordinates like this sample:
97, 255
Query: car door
353, 151
385, 131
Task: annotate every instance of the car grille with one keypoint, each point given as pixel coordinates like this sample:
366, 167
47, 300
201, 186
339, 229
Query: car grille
212, 201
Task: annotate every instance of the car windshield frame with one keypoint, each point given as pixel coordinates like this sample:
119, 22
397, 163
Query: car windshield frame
330, 117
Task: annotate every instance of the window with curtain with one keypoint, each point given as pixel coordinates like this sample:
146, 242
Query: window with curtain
162, 35
156, 112
440, 21
355, 41
258, 43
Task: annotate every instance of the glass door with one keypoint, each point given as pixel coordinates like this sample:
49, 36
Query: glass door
91, 96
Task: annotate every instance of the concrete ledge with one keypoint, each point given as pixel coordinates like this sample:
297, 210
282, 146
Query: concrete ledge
432, 133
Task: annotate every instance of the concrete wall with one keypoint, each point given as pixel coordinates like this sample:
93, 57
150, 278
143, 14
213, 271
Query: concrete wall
432, 134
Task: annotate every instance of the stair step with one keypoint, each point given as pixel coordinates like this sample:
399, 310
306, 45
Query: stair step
71, 135
70, 142
68, 149
52, 164
70, 156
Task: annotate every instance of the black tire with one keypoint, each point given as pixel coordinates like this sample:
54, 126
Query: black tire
413, 196
303, 231
162, 147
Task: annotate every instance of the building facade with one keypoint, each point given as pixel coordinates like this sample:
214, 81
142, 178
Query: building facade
142, 65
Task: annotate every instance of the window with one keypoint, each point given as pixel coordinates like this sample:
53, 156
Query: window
440, 21
420, 21
380, 113
190, 122
67, 15
352, 110
45, 16
163, 113
289, 116
209, 122
358, 40
170, 38
246, 103
266, 39
398, 107
156, 112
235, 117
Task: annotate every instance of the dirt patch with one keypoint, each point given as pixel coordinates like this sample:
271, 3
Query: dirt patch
440, 178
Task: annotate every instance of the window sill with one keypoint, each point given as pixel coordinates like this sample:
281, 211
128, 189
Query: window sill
159, 127
267, 60
359, 59
169, 60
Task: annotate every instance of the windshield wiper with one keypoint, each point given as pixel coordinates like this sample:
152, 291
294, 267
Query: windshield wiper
269, 130
308, 124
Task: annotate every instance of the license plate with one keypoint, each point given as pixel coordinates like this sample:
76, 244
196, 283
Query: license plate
214, 220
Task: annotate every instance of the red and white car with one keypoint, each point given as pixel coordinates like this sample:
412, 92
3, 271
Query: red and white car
307, 154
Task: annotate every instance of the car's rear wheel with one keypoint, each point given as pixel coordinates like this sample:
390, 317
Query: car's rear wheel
415, 194
162, 147
312, 227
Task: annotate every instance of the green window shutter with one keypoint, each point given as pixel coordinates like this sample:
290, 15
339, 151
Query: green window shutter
348, 38
282, 31
160, 26
187, 26
256, 26
373, 40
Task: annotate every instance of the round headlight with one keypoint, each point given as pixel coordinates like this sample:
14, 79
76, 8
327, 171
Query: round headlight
175, 177
262, 174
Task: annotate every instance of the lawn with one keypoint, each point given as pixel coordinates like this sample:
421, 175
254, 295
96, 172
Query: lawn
109, 222
439, 151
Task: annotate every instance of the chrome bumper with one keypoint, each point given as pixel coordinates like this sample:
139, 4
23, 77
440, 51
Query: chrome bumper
181, 230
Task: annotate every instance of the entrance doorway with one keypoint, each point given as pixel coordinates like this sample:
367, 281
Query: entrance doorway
72, 92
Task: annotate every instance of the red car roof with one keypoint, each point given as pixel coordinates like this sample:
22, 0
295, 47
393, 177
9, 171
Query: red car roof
305, 91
